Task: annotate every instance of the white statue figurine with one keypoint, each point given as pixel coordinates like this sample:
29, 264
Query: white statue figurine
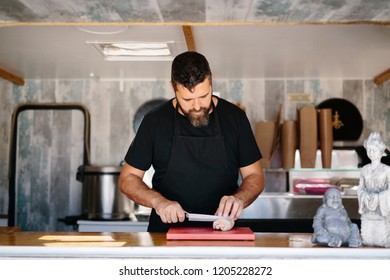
374, 195
331, 224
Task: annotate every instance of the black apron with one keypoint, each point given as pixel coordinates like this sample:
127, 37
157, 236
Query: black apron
197, 175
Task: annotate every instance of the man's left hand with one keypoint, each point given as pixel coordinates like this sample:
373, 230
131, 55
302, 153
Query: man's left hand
230, 206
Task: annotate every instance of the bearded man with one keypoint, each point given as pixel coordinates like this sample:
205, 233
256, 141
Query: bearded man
198, 145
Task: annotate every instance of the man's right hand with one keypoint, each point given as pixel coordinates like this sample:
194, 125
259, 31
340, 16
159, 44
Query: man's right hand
131, 184
169, 211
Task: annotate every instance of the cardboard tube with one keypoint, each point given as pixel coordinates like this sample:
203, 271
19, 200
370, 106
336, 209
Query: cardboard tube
308, 139
289, 143
264, 134
326, 136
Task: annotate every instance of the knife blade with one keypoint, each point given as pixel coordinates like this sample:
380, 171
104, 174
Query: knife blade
203, 217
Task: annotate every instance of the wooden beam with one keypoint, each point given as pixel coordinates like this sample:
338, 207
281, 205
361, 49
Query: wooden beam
187, 30
383, 77
11, 77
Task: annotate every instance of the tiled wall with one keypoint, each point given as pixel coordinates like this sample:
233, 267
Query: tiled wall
50, 143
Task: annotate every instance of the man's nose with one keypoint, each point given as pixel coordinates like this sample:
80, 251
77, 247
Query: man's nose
197, 105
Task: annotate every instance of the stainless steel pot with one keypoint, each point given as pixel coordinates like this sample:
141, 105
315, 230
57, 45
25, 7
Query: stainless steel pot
101, 197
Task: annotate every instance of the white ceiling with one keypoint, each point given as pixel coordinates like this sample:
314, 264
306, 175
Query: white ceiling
62, 52
234, 51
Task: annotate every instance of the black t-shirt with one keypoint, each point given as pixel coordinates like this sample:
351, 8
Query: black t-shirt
153, 141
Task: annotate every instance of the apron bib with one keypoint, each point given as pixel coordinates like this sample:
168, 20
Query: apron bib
197, 175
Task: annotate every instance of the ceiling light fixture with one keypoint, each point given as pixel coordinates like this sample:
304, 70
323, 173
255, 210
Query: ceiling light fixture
136, 51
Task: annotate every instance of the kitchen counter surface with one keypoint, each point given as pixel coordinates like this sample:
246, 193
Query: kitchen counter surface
151, 245
115, 226
9, 229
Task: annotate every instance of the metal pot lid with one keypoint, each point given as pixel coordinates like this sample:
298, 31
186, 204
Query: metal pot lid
144, 109
100, 169
347, 120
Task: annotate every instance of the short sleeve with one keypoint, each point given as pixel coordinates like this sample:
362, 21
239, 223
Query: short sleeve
140, 152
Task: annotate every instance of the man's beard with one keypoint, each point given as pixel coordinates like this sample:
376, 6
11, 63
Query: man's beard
197, 120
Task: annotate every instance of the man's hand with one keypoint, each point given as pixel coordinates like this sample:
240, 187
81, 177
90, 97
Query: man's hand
131, 184
230, 206
169, 211
252, 185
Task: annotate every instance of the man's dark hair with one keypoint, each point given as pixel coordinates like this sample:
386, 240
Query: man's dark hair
189, 69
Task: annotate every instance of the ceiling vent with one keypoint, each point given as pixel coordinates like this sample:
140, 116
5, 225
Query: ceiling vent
136, 51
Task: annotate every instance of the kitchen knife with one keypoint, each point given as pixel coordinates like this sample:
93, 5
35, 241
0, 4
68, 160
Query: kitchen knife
203, 217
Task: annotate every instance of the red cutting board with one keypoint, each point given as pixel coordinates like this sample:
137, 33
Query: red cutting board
208, 233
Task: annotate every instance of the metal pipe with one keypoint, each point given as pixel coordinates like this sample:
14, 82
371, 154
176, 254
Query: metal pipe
13, 143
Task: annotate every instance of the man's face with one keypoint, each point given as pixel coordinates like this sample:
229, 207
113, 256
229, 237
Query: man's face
195, 104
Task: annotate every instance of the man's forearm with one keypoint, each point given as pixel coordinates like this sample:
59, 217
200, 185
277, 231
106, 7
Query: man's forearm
251, 187
135, 189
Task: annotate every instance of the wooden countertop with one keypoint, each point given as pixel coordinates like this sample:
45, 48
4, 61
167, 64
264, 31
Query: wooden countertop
143, 244
129, 239
9, 229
